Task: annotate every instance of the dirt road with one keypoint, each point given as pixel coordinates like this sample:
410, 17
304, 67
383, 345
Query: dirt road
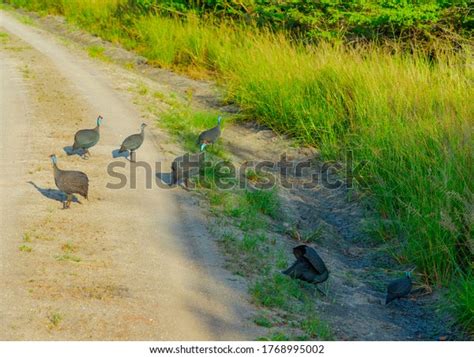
128, 264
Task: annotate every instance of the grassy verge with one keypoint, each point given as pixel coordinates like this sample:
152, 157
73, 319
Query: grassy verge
409, 117
243, 220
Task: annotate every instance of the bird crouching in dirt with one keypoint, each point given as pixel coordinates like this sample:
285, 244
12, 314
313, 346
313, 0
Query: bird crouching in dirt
308, 266
86, 138
210, 136
70, 182
133, 142
399, 288
186, 166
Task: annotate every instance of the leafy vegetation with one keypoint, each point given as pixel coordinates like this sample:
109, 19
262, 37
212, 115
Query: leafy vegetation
389, 80
54, 318
97, 52
349, 20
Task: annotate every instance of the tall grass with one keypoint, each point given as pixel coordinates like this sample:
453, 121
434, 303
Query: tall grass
410, 118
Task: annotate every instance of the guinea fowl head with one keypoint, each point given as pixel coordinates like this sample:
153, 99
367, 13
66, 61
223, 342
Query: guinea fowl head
219, 119
99, 120
408, 274
53, 158
299, 251
203, 145
143, 126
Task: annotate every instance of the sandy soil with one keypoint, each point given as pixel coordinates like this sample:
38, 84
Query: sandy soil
128, 264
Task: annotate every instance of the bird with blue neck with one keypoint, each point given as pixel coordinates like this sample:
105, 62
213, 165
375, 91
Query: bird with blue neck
210, 136
86, 138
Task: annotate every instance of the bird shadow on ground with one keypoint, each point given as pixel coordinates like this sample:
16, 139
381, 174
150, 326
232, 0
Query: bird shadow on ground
52, 193
70, 151
164, 177
116, 153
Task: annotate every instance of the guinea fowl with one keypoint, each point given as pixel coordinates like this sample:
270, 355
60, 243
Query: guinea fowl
308, 266
210, 136
87, 138
133, 142
70, 182
399, 288
183, 167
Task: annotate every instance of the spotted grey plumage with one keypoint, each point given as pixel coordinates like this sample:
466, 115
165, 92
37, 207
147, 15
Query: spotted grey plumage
133, 142
399, 288
86, 138
210, 136
70, 182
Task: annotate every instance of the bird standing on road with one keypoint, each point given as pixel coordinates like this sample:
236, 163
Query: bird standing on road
133, 142
308, 266
399, 288
210, 136
70, 182
87, 138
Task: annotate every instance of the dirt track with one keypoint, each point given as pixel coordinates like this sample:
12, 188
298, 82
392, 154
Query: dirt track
126, 264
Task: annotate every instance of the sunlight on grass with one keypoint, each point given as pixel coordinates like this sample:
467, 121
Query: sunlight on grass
410, 118
97, 52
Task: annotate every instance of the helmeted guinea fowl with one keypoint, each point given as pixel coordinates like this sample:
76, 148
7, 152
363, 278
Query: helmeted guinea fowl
308, 266
133, 142
87, 138
399, 288
70, 182
185, 166
210, 136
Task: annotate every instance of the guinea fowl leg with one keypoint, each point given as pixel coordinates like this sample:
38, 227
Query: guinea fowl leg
132, 156
67, 202
85, 155
186, 184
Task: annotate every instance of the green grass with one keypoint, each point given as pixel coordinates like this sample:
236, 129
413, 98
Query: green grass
26, 237
277, 291
67, 257
68, 248
186, 124
461, 302
25, 248
409, 117
4, 37
315, 328
55, 318
142, 89
97, 52
263, 321
264, 201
